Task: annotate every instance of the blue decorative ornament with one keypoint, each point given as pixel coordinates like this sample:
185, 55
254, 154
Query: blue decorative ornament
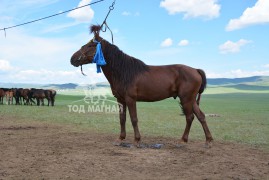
99, 57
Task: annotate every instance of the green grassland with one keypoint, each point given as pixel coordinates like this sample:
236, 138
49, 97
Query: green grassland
242, 115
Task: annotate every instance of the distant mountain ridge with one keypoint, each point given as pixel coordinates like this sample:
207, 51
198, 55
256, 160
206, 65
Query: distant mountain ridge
61, 86
254, 80
246, 83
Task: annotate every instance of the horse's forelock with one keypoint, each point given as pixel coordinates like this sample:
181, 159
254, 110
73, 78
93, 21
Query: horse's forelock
95, 29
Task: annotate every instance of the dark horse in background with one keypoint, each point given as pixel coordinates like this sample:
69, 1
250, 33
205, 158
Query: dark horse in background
2, 95
50, 96
37, 94
41, 94
132, 80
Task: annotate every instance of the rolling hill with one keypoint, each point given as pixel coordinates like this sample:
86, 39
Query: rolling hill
255, 83
248, 83
225, 81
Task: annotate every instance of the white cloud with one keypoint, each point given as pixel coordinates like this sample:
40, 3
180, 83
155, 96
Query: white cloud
213, 75
34, 2
5, 65
83, 14
30, 59
125, 13
241, 73
192, 8
238, 73
167, 42
45, 76
232, 47
183, 42
258, 14
29, 51
137, 14
15, 7
60, 27
266, 65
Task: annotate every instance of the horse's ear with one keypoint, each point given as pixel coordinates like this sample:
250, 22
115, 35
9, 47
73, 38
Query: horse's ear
95, 29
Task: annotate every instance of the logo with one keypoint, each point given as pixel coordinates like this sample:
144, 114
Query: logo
96, 100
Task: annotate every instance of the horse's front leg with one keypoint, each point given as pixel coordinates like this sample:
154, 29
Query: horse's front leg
42, 101
131, 104
122, 114
49, 102
122, 110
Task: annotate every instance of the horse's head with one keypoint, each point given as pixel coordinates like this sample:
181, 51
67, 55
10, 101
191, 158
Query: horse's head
86, 53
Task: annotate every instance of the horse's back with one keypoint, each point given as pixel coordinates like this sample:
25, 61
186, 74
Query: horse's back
177, 72
162, 82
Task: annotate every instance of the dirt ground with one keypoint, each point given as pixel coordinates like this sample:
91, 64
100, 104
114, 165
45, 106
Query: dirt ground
48, 151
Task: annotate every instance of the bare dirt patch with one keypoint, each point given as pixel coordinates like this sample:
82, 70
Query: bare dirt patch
48, 151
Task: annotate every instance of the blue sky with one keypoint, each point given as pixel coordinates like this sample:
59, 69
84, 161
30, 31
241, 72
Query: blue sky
226, 38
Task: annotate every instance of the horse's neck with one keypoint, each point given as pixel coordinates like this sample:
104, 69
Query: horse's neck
106, 70
107, 73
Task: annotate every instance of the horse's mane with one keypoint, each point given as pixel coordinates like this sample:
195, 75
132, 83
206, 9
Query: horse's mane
124, 68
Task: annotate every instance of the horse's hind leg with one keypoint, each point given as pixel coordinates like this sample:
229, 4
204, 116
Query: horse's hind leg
188, 111
201, 117
49, 102
42, 102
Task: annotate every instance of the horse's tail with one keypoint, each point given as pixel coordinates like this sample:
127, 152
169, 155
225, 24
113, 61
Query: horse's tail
203, 85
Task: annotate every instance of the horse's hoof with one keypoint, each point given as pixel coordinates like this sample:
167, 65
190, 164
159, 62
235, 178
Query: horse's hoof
208, 145
118, 142
138, 144
181, 144
127, 145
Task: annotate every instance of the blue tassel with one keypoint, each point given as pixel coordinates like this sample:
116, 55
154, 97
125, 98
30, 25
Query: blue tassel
99, 57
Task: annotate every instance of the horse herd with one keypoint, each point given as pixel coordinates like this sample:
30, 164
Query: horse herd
27, 96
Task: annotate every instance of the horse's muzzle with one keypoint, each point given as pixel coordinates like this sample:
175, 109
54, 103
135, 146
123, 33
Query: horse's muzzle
79, 59
75, 62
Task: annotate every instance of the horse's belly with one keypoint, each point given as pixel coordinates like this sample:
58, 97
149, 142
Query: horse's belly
156, 85
152, 93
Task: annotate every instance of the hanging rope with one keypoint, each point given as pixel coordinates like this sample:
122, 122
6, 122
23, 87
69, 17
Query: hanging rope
106, 27
22, 24
105, 23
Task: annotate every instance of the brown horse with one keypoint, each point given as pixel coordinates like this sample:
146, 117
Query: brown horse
38, 94
2, 95
9, 96
132, 80
25, 95
18, 95
50, 96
